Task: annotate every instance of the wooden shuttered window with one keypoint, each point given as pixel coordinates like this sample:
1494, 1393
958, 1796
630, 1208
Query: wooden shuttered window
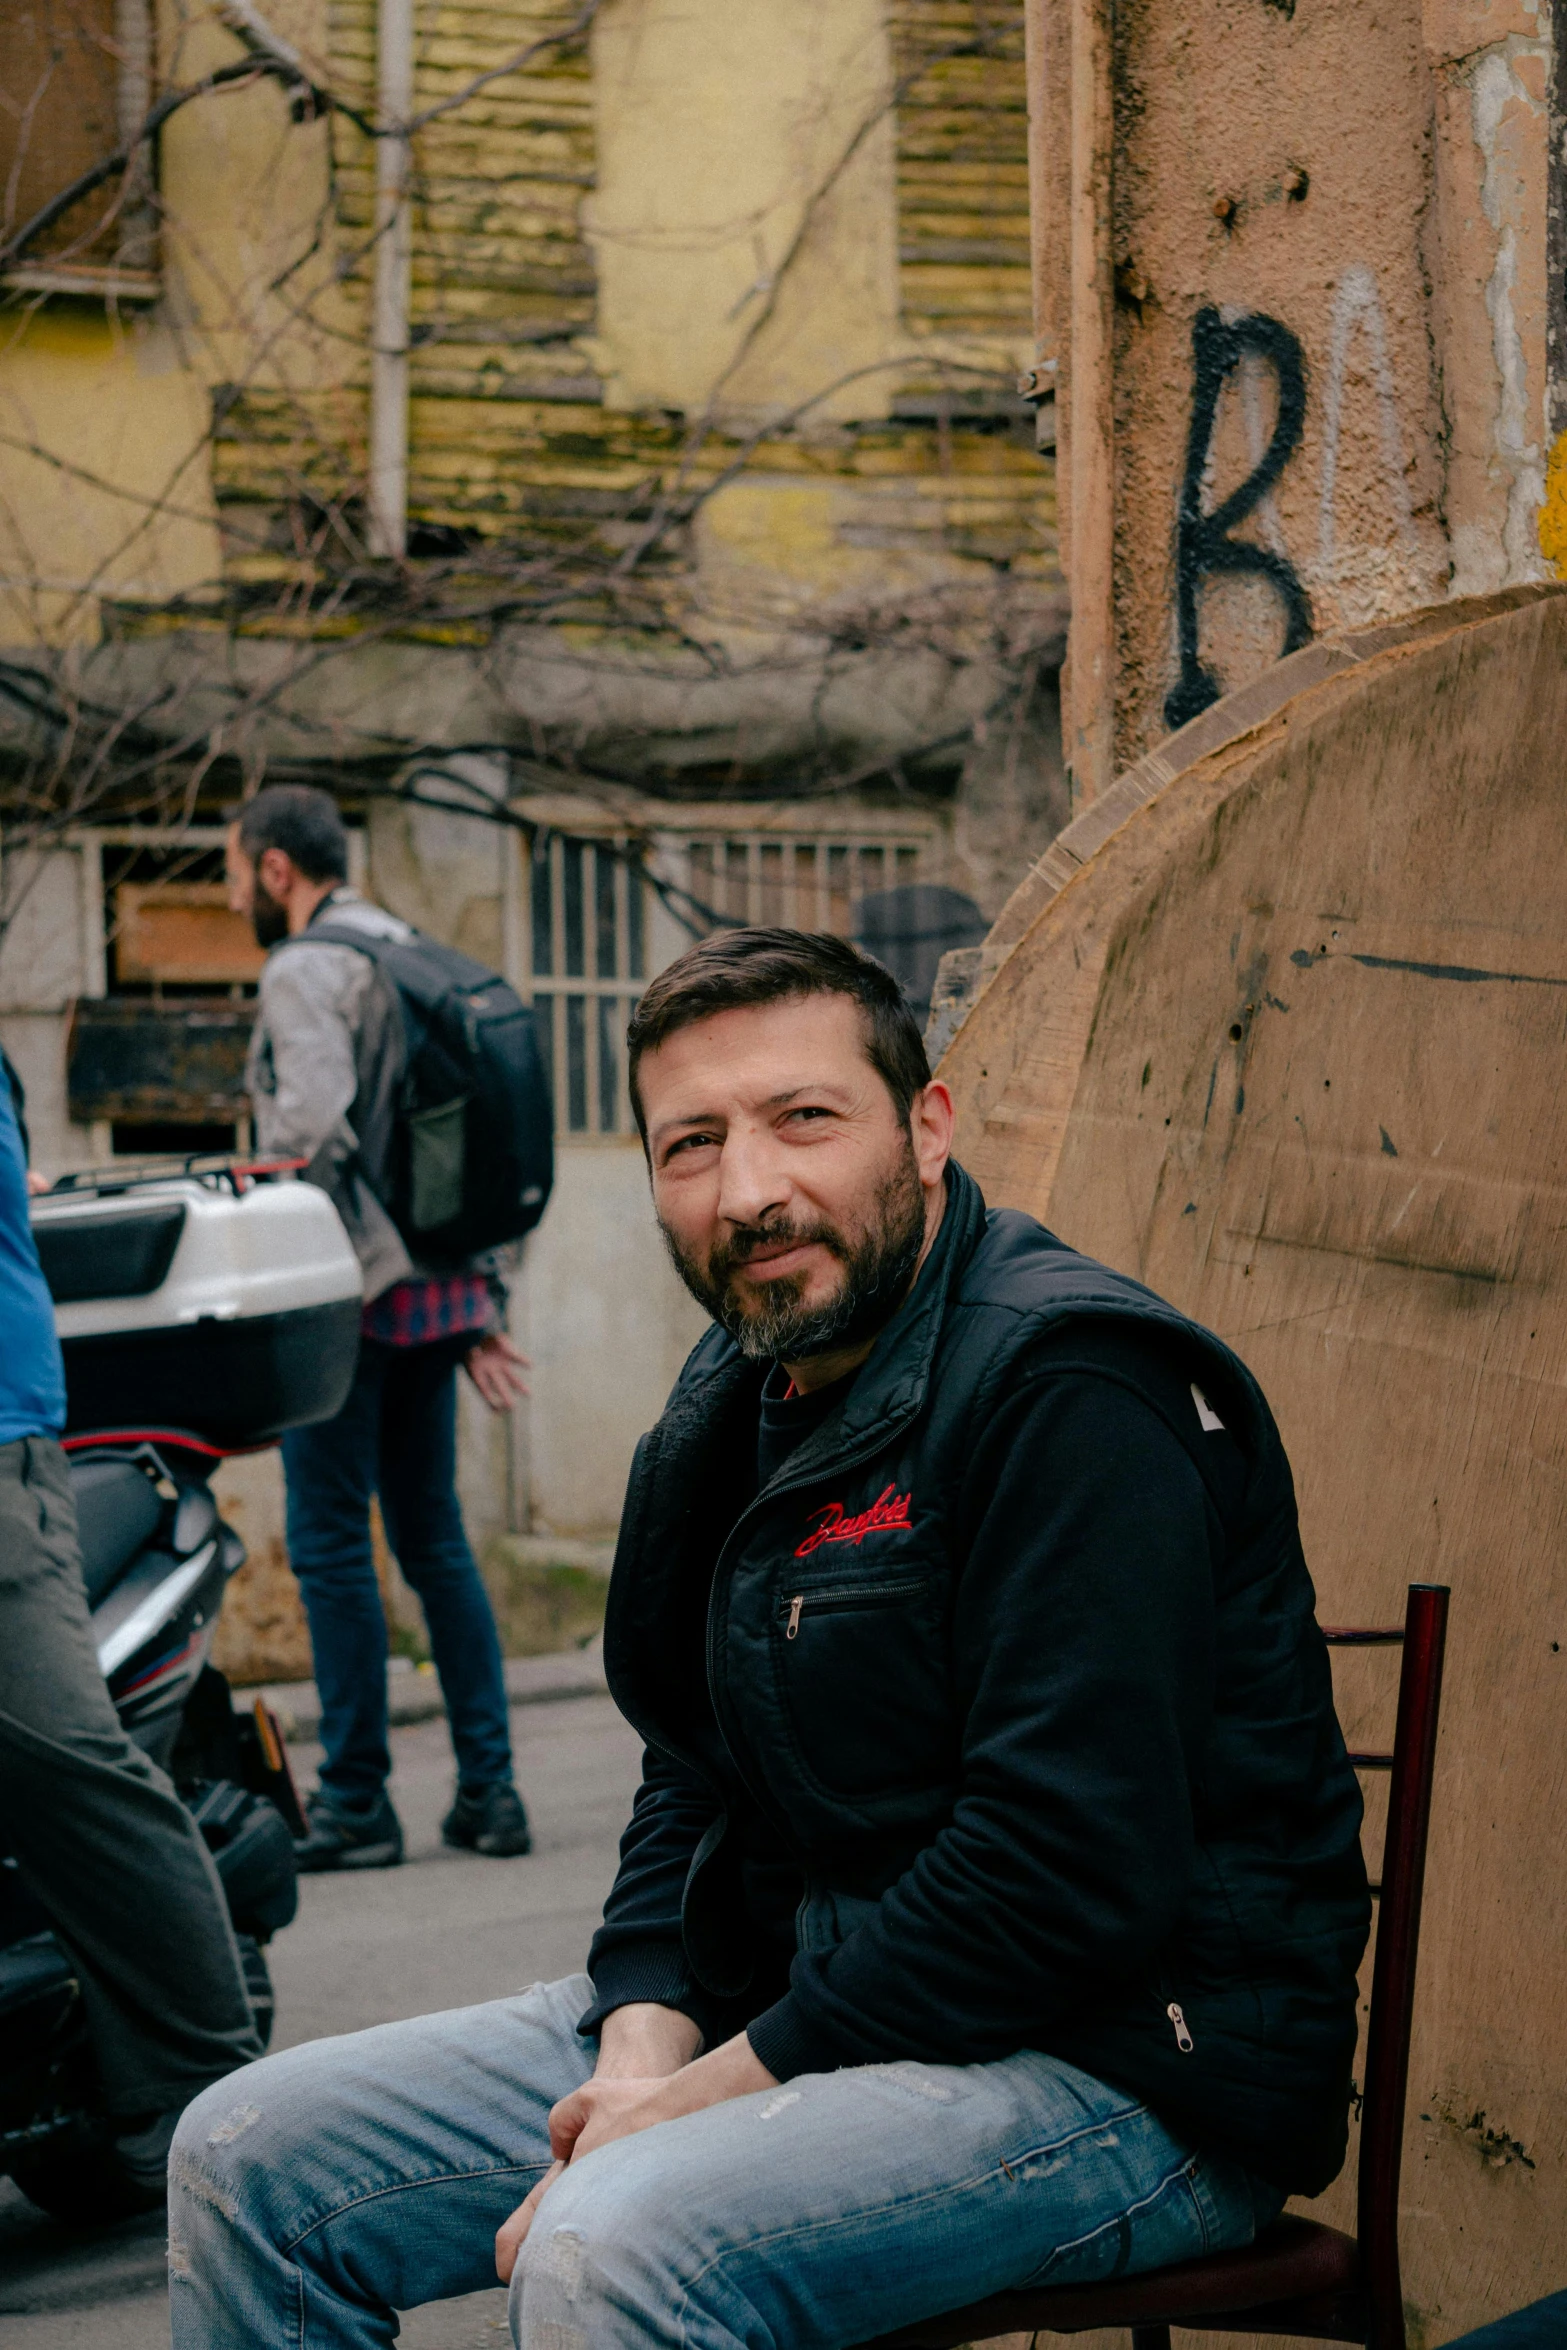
75, 83
962, 144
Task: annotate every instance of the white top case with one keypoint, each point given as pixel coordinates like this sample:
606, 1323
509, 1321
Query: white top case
274, 1250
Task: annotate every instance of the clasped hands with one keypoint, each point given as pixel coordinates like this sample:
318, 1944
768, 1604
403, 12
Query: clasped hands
648, 2072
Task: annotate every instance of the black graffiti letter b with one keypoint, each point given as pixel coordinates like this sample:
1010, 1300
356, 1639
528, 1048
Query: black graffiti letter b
1203, 545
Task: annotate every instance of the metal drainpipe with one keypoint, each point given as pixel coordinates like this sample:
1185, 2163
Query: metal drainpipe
393, 278
1091, 647
133, 38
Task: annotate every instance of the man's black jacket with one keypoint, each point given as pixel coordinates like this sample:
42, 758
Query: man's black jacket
1084, 1785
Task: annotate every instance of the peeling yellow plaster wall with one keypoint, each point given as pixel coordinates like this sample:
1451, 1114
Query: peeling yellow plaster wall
1553, 514
918, 529
105, 458
248, 242
501, 278
723, 130
99, 490
727, 137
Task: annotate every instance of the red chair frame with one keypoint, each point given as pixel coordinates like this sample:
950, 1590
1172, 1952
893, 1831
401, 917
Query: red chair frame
1299, 2277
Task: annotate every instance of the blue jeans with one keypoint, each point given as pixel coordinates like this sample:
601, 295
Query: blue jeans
396, 1435
319, 2190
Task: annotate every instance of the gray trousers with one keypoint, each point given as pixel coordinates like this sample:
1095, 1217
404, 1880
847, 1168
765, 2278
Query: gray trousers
99, 1835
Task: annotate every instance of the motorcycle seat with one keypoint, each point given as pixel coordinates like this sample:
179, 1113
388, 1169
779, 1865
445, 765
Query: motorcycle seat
117, 1512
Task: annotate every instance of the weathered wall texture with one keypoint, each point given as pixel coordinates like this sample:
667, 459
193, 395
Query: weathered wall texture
961, 132
99, 420
1294, 271
628, 256
703, 219
699, 202
765, 268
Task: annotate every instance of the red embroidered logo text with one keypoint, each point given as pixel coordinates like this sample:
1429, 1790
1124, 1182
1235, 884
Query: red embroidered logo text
889, 1509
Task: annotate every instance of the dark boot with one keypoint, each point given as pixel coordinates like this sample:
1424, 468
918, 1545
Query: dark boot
489, 1820
349, 1837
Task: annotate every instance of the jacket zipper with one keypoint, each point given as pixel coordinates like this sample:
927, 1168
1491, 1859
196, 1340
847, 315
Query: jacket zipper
846, 1595
848, 1459
1183, 2037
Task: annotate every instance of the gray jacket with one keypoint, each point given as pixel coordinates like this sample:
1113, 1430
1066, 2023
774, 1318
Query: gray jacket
322, 1074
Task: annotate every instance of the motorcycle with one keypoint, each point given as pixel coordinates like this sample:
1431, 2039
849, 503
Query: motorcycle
222, 1298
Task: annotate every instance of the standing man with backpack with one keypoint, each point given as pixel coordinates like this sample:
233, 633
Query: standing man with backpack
408, 1079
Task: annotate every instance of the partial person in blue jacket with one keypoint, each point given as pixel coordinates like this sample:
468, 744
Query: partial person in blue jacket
99, 1837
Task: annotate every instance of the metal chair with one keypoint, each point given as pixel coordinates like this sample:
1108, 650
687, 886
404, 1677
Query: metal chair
1299, 2277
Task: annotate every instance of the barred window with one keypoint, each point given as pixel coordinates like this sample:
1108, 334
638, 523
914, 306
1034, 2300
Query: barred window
588, 916
602, 921
870, 885
802, 884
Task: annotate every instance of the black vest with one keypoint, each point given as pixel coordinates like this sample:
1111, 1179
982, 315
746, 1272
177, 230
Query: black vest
820, 1615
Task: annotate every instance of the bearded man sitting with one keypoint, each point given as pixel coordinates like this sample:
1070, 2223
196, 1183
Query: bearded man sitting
990, 1908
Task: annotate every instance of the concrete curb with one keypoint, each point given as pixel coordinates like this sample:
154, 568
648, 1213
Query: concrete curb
414, 1694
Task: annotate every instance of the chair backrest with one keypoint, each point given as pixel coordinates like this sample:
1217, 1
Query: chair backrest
1423, 1637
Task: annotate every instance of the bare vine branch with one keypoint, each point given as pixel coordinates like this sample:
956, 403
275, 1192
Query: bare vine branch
269, 56
148, 738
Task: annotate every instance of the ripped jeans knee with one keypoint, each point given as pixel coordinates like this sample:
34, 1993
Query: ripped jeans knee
551, 2291
610, 2264
204, 2167
318, 2192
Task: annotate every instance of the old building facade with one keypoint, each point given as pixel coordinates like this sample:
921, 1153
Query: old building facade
587, 439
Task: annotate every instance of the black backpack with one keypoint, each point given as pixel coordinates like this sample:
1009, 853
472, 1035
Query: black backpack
473, 1143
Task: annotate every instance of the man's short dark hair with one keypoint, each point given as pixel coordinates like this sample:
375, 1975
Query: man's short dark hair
735, 968
301, 821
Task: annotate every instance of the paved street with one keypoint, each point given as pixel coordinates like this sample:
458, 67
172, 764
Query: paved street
445, 1929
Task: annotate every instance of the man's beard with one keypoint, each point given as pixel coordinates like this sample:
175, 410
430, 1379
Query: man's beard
877, 1270
268, 918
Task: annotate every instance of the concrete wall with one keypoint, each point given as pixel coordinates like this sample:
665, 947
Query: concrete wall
1293, 266
607, 1324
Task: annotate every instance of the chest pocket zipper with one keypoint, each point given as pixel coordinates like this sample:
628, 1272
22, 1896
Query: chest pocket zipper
845, 1595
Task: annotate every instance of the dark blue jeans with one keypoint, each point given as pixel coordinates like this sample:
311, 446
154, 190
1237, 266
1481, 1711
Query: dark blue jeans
396, 1435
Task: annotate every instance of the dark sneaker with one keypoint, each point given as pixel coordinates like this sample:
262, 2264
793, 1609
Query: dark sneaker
490, 1820
140, 2154
123, 2172
344, 1837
